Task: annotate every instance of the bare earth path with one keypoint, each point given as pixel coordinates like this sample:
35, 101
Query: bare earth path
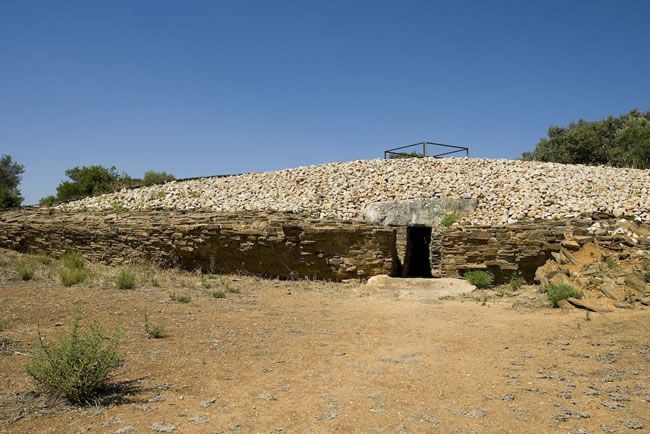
325, 359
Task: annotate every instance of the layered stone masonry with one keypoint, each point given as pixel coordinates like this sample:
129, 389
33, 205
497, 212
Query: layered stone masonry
287, 246
268, 244
522, 248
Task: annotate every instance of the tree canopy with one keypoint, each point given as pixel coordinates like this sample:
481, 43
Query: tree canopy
622, 141
10, 177
95, 180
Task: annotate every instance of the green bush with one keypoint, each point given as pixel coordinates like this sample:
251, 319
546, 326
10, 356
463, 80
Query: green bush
9, 199
218, 294
152, 177
73, 268
516, 282
73, 260
448, 220
25, 270
72, 276
76, 367
10, 177
95, 180
153, 331
180, 298
125, 279
480, 279
611, 263
561, 291
622, 141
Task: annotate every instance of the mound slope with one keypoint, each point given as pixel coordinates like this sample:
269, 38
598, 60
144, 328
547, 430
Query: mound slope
507, 190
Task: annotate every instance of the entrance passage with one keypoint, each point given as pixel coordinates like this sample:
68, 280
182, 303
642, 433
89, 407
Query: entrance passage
416, 259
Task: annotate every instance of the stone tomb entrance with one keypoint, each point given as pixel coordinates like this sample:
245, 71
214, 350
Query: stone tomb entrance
416, 257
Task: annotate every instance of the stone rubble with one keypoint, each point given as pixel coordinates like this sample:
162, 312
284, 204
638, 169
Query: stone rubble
507, 191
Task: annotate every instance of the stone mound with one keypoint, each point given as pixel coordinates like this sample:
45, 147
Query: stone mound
507, 191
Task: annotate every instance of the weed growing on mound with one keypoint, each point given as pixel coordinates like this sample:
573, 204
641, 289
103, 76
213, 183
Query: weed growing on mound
561, 291
76, 367
25, 270
448, 220
125, 279
480, 279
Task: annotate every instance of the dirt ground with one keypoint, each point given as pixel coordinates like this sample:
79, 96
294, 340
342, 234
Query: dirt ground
322, 357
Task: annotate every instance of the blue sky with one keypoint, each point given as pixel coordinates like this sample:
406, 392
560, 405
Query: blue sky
208, 87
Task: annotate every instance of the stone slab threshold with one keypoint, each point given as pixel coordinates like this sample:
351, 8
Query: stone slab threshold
417, 288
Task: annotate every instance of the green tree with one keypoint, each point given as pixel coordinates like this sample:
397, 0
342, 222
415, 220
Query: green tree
10, 177
152, 177
88, 181
622, 141
95, 180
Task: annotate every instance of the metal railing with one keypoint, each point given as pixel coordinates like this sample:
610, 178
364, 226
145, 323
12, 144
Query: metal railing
426, 150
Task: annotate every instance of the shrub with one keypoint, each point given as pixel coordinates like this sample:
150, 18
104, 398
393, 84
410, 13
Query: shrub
480, 279
76, 367
622, 141
125, 279
73, 269
218, 294
72, 276
42, 258
25, 270
154, 331
73, 260
611, 263
206, 283
152, 177
561, 291
449, 219
180, 298
9, 199
118, 208
10, 177
516, 282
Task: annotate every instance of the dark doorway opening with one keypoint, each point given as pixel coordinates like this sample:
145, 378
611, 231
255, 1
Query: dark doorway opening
416, 260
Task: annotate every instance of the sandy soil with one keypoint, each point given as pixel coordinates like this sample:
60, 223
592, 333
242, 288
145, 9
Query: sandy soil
320, 357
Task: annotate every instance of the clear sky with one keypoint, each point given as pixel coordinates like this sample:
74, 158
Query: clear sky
208, 87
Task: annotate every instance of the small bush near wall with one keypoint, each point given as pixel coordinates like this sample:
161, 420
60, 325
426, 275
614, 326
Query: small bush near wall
480, 279
562, 291
125, 279
448, 220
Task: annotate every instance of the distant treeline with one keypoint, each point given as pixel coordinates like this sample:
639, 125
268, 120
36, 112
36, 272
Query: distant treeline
622, 141
94, 180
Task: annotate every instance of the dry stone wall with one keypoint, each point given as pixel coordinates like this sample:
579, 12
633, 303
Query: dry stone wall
522, 248
286, 246
269, 244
